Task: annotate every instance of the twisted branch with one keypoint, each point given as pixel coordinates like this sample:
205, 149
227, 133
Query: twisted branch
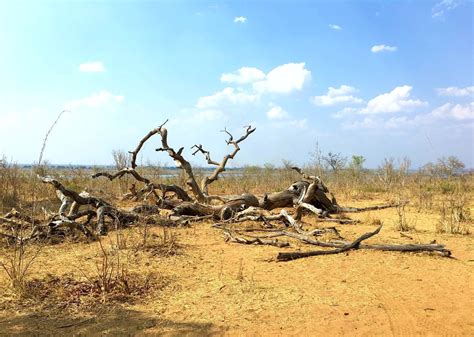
221, 166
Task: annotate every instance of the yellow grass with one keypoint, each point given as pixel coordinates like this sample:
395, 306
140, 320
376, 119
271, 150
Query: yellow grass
189, 281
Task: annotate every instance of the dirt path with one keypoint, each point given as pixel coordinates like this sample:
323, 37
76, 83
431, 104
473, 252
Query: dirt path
220, 288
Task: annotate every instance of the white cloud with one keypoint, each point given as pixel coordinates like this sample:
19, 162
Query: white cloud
442, 7
335, 27
209, 115
366, 123
243, 75
383, 48
240, 19
458, 111
343, 94
226, 96
92, 67
346, 112
99, 99
277, 112
395, 101
448, 111
295, 123
455, 91
284, 79
300, 124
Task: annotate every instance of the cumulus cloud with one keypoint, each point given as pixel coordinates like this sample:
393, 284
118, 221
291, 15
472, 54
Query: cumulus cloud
343, 94
441, 8
92, 67
250, 86
366, 123
226, 96
383, 48
445, 112
294, 123
458, 111
99, 99
240, 19
243, 75
395, 101
208, 115
284, 79
335, 27
299, 123
277, 112
455, 91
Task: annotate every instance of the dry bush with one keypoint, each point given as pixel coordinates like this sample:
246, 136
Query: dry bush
114, 274
163, 245
67, 292
455, 217
16, 262
10, 185
402, 223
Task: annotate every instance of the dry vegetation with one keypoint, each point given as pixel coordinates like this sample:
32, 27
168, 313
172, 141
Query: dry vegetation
166, 272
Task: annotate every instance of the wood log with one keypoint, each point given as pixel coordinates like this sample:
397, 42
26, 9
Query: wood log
434, 248
285, 198
222, 212
253, 240
278, 200
103, 208
288, 256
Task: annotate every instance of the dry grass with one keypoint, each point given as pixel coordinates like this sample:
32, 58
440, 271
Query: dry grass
191, 275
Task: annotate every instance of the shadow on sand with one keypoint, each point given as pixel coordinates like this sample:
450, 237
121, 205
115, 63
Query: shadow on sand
113, 322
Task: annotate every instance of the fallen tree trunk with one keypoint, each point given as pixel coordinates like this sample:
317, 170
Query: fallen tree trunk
284, 256
285, 198
221, 212
255, 240
103, 208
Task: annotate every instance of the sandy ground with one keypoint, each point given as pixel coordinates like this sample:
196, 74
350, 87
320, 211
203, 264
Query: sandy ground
219, 288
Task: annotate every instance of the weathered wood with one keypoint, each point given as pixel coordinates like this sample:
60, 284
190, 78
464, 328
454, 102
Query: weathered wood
288, 256
180, 163
343, 209
222, 212
299, 192
142, 142
206, 181
253, 240
285, 198
413, 248
103, 208
233, 206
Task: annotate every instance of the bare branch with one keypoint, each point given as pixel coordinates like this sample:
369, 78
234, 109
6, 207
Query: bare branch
221, 166
354, 245
142, 142
180, 163
207, 154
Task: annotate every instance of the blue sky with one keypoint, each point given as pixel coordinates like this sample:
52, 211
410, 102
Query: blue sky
378, 79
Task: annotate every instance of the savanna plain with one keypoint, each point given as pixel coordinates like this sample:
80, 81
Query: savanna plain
156, 276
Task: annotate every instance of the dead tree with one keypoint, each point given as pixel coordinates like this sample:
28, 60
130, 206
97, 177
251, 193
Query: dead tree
220, 167
315, 199
221, 212
200, 192
102, 208
294, 229
149, 187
